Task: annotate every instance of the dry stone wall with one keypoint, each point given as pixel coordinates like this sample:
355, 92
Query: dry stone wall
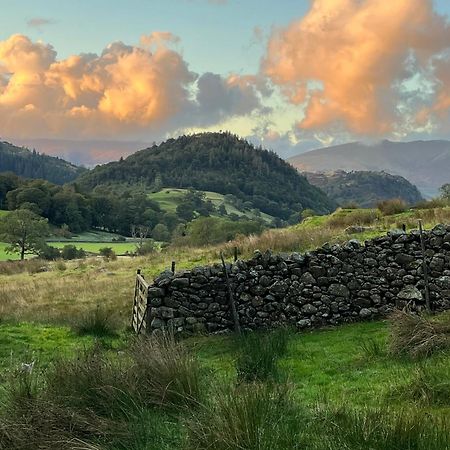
331, 285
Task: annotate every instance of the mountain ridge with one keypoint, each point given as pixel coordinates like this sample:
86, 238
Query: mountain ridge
365, 188
424, 163
31, 164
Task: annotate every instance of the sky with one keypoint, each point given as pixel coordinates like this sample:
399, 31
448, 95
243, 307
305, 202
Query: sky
92, 80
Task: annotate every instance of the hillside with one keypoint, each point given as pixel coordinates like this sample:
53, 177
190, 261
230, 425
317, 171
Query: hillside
364, 188
30, 164
424, 163
217, 162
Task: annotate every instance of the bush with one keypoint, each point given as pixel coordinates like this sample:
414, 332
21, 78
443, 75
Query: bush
393, 206
418, 336
49, 253
213, 230
147, 248
250, 416
108, 253
71, 252
345, 218
258, 354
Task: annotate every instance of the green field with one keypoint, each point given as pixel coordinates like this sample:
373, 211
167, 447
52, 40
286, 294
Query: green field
170, 198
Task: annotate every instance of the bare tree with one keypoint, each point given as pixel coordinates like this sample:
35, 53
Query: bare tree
139, 233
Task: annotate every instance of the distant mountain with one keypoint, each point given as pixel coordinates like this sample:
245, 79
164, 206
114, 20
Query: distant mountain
424, 163
30, 164
364, 188
218, 162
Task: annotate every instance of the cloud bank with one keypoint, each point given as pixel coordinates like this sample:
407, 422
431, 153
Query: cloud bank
354, 64
124, 91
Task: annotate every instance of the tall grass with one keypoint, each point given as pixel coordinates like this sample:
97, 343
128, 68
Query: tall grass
258, 354
427, 384
251, 416
167, 372
418, 336
380, 429
98, 322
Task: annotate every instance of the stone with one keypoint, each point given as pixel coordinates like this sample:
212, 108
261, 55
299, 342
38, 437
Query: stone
179, 283
279, 288
365, 313
410, 293
307, 278
403, 259
339, 290
304, 323
309, 309
157, 323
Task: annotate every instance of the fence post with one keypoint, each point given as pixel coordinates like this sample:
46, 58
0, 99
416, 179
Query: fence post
235, 254
237, 326
173, 266
424, 268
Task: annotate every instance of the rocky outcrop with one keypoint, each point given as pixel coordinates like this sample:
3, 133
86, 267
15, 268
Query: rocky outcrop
331, 285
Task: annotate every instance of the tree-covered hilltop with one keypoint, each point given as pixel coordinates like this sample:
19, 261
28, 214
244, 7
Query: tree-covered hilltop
31, 164
218, 162
365, 188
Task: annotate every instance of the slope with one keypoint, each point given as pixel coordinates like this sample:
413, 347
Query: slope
30, 164
424, 163
217, 162
365, 188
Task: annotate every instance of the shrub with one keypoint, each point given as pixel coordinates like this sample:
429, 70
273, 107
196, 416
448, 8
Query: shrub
108, 253
147, 248
98, 322
418, 336
71, 252
258, 354
392, 206
49, 253
345, 218
251, 416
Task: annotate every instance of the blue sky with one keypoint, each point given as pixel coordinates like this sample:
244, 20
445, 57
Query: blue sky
214, 37
212, 78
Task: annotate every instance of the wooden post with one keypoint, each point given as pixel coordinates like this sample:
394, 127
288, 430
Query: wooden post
424, 268
136, 287
173, 266
235, 254
237, 326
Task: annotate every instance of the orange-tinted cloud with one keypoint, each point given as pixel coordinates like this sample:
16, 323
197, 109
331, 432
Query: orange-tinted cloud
124, 90
345, 60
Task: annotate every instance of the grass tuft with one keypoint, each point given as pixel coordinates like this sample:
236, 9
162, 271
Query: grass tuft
98, 322
250, 416
418, 336
258, 354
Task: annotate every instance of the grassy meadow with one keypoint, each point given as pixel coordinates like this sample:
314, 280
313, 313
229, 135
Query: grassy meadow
337, 388
170, 198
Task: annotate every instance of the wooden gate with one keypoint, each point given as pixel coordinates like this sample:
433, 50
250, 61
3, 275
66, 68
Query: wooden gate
141, 305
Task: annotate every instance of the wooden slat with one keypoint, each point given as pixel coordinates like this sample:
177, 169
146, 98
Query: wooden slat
140, 304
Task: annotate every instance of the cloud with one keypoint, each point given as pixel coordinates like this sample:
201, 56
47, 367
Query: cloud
39, 22
127, 90
347, 62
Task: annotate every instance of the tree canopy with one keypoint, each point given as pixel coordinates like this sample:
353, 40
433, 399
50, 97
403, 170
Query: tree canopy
25, 231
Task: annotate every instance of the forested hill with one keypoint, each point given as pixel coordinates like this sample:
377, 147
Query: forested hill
365, 188
219, 162
30, 164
